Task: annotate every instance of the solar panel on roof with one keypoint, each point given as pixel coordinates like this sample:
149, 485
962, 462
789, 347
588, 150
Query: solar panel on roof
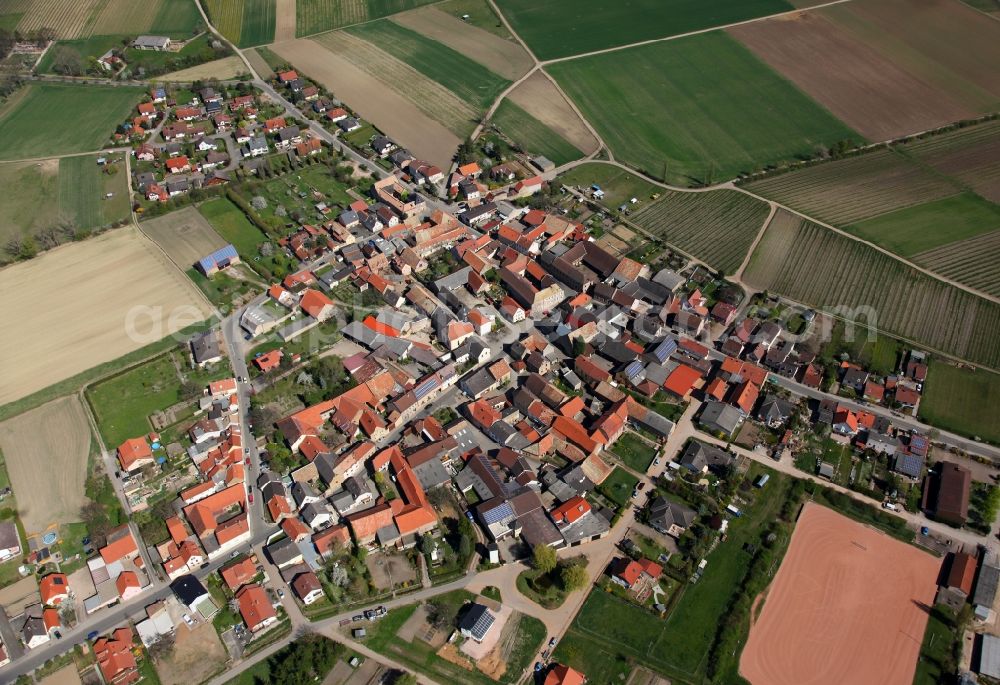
425, 388
665, 349
498, 513
633, 369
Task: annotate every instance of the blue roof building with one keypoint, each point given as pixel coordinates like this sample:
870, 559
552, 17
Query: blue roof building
220, 259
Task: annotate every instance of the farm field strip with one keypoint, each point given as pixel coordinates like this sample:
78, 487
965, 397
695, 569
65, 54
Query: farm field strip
539, 97
928, 225
227, 17
46, 452
469, 80
504, 57
96, 290
849, 190
814, 265
972, 261
222, 69
876, 92
389, 110
430, 97
67, 19
317, 16
126, 17
716, 227
531, 134
696, 110
258, 22
184, 235
561, 28
52, 119
971, 155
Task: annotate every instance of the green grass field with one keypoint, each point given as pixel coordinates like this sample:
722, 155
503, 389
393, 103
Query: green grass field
559, 28
176, 18
10, 20
696, 110
83, 189
122, 405
471, 81
618, 185
258, 23
479, 14
53, 119
532, 135
634, 452
232, 224
962, 400
926, 226
317, 16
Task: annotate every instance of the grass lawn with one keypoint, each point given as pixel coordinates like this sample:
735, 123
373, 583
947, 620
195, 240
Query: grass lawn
635, 452
558, 28
696, 110
618, 486
532, 135
543, 589
52, 119
962, 400
876, 352
609, 634
936, 650
915, 229
9, 21
618, 185
471, 81
233, 225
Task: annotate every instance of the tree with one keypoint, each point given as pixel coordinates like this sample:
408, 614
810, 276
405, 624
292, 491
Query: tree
426, 543
404, 679
579, 346
543, 558
67, 61
574, 577
442, 613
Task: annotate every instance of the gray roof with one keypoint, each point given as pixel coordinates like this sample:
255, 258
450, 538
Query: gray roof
722, 417
774, 408
431, 473
283, 551
8, 535
989, 656
663, 514
986, 586
477, 621
908, 465
698, 455
206, 346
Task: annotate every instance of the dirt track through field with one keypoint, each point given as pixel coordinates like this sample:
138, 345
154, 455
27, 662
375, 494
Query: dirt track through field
537, 96
70, 308
375, 101
46, 453
848, 605
284, 22
873, 95
503, 57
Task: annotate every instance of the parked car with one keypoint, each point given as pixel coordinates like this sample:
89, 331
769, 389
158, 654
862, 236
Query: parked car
188, 620
642, 485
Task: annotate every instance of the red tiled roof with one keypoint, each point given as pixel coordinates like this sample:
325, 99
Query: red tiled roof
681, 380
571, 510
120, 547
255, 607
239, 573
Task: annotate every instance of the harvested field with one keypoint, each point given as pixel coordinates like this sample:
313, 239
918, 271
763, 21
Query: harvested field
94, 290
540, 98
717, 227
467, 79
971, 155
197, 655
316, 16
379, 102
875, 96
185, 235
226, 68
69, 19
946, 43
850, 190
848, 605
284, 20
696, 110
504, 57
46, 451
816, 266
972, 261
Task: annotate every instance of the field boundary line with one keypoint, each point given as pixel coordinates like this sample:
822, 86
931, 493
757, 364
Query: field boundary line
756, 241
721, 27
